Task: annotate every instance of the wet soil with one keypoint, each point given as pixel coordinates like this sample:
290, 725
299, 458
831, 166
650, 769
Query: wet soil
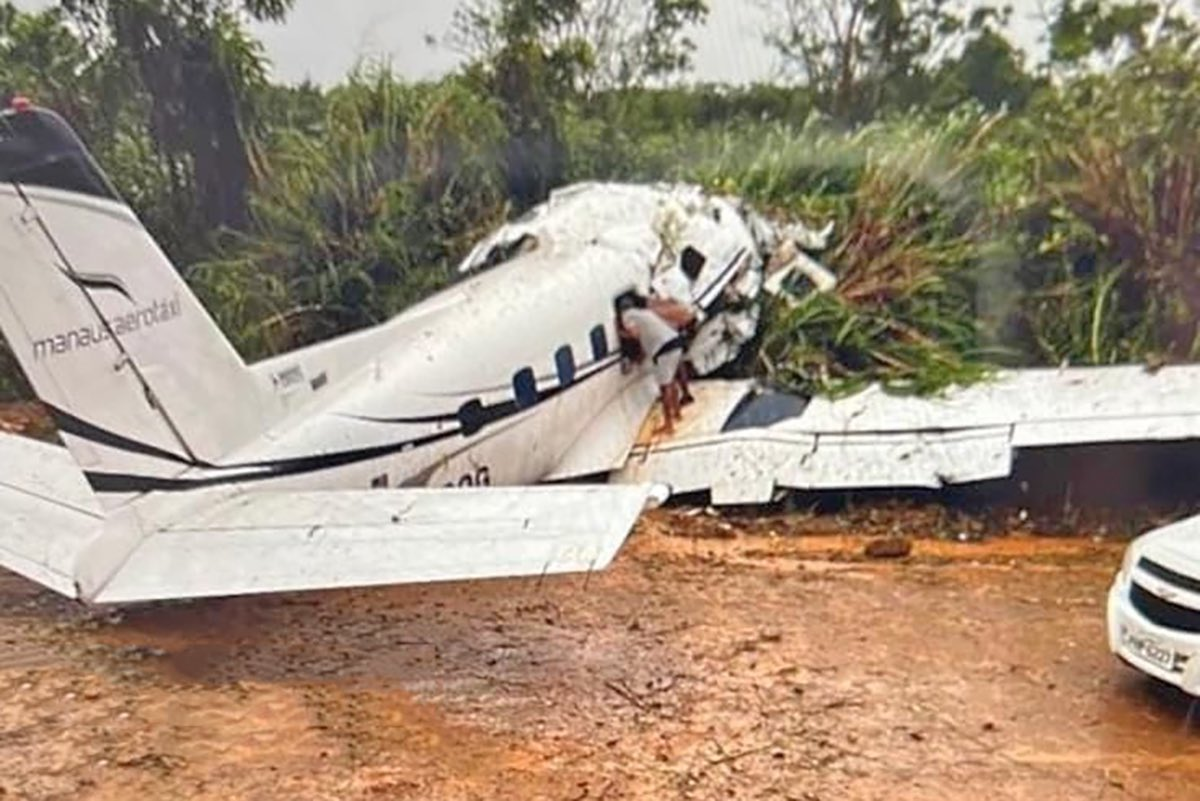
718, 658
28, 418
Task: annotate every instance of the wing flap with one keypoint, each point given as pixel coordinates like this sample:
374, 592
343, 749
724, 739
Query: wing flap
285, 542
604, 445
879, 440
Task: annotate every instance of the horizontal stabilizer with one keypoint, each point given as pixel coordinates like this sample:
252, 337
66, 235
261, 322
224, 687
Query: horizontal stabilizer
280, 542
47, 512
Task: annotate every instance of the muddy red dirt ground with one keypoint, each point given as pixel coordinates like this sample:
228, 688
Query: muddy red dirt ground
707, 663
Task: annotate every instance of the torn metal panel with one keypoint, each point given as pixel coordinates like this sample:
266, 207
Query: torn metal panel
1045, 406
604, 445
749, 466
877, 440
658, 224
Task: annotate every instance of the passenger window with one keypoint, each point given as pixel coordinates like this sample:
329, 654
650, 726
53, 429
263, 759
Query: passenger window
525, 388
564, 362
471, 418
599, 343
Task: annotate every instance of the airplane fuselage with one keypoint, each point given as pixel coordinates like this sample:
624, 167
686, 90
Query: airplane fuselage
488, 382
493, 381
511, 376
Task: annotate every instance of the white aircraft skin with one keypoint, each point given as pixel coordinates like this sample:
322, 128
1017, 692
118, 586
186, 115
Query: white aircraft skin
406, 452
510, 377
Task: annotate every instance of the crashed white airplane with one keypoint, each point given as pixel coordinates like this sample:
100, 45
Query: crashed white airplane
419, 450
402, 453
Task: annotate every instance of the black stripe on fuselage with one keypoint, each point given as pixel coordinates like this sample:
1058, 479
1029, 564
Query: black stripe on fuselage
126, 483
263, 471
70, 424
415, 421
454, 417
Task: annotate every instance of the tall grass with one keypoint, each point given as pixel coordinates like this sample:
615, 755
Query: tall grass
1065, 234
912, 239
1115, 274
12, 381
356, 222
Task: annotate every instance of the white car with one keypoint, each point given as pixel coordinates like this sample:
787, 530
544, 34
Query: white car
1154, 605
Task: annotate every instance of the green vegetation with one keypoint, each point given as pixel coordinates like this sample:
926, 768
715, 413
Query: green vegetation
988, 212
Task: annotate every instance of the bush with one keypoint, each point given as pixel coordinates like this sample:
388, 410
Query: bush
1112, 270
913, 239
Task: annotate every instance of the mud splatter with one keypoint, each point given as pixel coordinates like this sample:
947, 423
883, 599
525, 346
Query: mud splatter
717, 659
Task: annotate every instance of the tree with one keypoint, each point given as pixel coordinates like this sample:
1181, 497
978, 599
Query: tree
537, 56
598, 44
859, 55
990, 70
198, 69
43, 58
37, 53
1085, 34
1115, 209
518, 59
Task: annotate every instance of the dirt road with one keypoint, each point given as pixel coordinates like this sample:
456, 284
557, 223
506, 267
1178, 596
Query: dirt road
728, 665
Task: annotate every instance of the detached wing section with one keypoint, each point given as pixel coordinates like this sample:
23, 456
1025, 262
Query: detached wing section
277, 542
744, 448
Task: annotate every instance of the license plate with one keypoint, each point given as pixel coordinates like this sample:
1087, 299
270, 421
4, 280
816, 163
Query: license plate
1149, 650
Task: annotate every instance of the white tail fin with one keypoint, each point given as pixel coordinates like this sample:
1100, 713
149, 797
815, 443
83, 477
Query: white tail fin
136, 372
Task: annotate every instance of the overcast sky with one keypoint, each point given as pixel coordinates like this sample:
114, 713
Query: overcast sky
322, 39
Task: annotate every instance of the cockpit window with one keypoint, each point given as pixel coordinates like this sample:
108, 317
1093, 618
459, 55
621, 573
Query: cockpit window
692, 262
507, 251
